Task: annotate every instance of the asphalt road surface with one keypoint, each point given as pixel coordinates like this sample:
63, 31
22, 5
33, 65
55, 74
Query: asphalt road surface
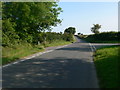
68, 67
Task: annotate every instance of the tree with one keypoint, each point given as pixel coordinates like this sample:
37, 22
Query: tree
79, 33
95, 28
28, 19
70, 30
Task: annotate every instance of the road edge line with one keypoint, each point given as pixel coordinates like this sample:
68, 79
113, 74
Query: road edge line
33, 56
91, 47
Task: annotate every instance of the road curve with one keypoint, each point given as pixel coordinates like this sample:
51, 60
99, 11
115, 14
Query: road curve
68, 67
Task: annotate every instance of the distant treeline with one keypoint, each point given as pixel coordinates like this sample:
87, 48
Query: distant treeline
30, 22
104, 36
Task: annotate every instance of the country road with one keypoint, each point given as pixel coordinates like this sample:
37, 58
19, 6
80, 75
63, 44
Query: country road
67, 67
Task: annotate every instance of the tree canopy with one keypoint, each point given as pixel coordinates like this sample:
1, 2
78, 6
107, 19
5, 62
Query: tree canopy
70, 30
25, 20
95, 28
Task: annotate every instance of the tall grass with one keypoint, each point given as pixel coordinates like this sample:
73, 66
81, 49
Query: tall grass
10, 54
106, 62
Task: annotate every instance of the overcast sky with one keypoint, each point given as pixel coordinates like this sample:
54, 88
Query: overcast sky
82, 16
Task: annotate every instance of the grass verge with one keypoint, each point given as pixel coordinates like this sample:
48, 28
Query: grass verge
10, 54
106, 62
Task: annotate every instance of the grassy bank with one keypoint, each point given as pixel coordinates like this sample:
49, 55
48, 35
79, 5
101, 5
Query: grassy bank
106, 62
10, 54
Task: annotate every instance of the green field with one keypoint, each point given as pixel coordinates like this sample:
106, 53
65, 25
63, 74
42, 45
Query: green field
10, 54
106, 62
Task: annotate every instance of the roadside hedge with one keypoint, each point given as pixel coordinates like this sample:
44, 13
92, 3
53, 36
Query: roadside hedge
104, 36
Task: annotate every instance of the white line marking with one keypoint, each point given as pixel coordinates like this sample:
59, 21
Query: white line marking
28, 58
34, 55
22, 60
94, 47
91, 47
6, 65
15, 62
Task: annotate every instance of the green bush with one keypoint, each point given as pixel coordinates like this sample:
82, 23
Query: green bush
68, 37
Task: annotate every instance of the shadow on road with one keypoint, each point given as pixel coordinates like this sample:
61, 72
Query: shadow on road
59, 72
82, 47
85, 49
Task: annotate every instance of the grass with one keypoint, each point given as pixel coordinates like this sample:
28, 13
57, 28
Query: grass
106, 62
10, 54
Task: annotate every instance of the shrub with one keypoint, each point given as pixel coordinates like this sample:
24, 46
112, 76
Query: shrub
104, 36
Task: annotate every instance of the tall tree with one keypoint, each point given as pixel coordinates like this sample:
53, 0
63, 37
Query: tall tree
27, 19
70, 30
95, 28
